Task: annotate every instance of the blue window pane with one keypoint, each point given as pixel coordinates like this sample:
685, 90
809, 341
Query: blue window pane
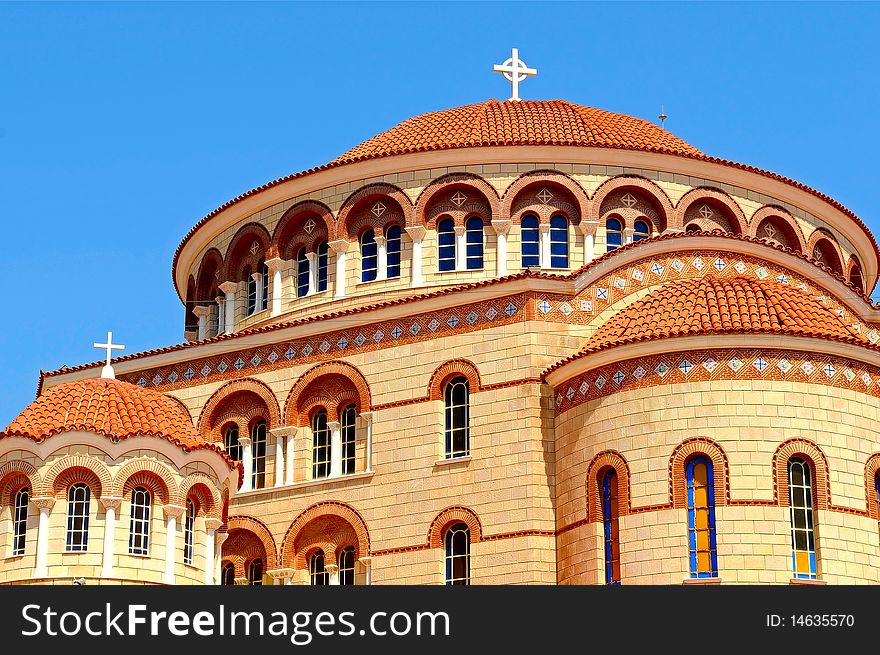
369, 253
613, 234
474, 242
302, 273
559, 242
530, 241
641, 231
323, 249
446, 245
610, 512
702, 553
393, 250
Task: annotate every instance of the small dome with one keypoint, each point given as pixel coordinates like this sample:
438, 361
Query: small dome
108, 407
527, 122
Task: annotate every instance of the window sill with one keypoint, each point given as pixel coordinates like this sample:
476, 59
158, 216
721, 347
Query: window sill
364, 475
807, 582
362, 283
450, 461
701, 581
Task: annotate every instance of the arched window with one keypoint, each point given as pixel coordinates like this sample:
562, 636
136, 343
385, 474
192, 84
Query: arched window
79, 498
258, 448
458, 555
392, 245
264, 280
302, 273
230, 441
473, 236
19, 521
700, 480
531, 247
559, 242
692, 227
641, 230
255, 573
613, 234
139, 528
189, 521
610, 516
446, 245
317, 573
457, 401
800, 500
369, 252
323, 249
877, 489
227, 575
347, 428
320, 446
251, 293
346, 566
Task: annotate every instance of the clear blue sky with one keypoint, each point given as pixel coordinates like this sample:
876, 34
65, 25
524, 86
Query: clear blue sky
121, 125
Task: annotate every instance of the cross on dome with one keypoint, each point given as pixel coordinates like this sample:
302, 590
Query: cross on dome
107, 371
514, 71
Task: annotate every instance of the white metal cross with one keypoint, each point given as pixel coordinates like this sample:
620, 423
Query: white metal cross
514, 71
107, 371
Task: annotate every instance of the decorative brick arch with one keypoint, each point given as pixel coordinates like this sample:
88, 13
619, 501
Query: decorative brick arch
241, 548
149, 473
208, 277
304, 393
238, 254
813, 455
205, 490
76, 468
449, 516
326, 526
713, 196
644, 186
259, 530
831, 254
14, 476
216, 410
780, 217
482, 200
513, 204
855, 274
286, 239
872, 468
685, 451
448, 370
607, 459
350, 222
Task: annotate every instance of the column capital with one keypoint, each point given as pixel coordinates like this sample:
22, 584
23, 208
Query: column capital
47, 502
333, 425
416, 232
369, 416
256, 276
201, 310
311, 257
280, 574
275, 264
228, 287
332, 569
338, 246
213, 524
544, 227
366, 561
111, 502
244, 441
459, 230
242, 581
381, 240
284, 431
173, 510
629, 231
501, 227
220, 537
588, 227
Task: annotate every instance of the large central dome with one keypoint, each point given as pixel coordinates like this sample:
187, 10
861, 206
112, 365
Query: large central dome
527, 122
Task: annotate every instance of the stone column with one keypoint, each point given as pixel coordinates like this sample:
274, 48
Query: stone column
283, 463
203, 312
230, 289
381, 258
502, 228
247, 461
276, 285
221, 315
288, 462
368, 572
42, 564
628, 232
312, 258
368, 417
333, 570
280, 576
258, 280
172, 513
220, 537
339, 248
335, 449
588, 229
279, 460
460, 250
544, 245
211, 527
416, 233
111, 506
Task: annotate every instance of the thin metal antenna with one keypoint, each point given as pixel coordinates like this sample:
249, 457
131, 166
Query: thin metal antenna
662, 117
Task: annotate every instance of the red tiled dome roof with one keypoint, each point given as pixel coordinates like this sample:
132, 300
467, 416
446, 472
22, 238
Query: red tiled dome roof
723, 306
528, 122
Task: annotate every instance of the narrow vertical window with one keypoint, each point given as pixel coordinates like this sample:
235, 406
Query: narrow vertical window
258, 448
230, 441
700, 479
457, 401
323, 250
877, 488
348, 442
803, 539
264, 280
302, 273
458, 555
251, 292
559, 242
188, 531
613, 234
446, 245
19, 521
610, 520
473, 237
369, 253
255, 573
227, 575
139, 528
530, 241
346, 566
641, 230
317, 573
392, 234
78, 504
320, 446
